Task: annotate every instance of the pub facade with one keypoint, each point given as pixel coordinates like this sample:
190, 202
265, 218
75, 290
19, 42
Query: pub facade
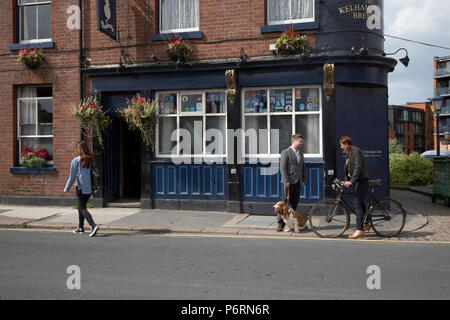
227, 112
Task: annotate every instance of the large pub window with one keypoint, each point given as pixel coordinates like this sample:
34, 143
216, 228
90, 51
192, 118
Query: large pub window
200, 115
288, 110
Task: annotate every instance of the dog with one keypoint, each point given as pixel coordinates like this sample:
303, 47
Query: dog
293, 219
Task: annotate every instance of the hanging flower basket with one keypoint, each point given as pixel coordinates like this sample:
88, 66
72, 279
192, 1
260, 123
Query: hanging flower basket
91, 117
142, 114
31, 58
178, 50
290, 42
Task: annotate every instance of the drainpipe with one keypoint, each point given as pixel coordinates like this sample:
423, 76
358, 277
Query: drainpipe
80, 57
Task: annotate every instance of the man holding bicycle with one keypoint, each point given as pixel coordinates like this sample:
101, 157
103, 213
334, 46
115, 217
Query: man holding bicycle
356, 175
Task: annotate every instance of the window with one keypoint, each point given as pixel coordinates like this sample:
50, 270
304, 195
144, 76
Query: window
289, 11
35, 20
178, 16
287, 111
197, 115
35, 118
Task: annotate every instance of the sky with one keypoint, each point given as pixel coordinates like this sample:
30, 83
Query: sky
420, 20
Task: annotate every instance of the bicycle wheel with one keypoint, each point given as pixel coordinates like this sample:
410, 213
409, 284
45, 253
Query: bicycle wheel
329, 219
387, 218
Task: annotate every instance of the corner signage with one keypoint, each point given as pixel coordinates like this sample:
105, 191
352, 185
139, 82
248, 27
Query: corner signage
106, 17
363, 11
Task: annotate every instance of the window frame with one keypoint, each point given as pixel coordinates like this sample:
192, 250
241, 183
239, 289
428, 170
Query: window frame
294, 113
290, 21
19, 22
202, 114
36, 136
170, 31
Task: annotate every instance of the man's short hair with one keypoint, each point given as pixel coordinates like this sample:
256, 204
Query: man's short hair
296, 137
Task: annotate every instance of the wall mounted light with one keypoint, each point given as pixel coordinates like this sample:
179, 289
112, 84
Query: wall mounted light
404, 61
363, 51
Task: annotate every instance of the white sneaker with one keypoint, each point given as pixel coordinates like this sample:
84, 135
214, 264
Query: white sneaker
78, 230
94, 232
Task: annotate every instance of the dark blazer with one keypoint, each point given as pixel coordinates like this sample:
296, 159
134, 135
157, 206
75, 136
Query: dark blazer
291, 170
356, 167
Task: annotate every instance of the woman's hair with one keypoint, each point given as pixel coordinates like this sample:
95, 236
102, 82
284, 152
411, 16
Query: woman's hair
86, 156
346, 140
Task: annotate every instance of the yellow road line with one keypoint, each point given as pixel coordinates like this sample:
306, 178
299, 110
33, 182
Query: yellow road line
237, 236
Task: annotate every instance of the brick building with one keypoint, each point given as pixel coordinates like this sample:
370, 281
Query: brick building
412, 125
337, 87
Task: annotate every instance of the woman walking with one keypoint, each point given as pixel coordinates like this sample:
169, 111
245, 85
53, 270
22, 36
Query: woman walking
80, 170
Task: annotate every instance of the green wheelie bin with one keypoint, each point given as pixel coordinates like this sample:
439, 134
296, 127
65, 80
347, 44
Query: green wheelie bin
441, 179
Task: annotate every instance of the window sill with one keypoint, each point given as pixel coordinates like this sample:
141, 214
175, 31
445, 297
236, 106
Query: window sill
284, 27
21, 170
37, 45
184, 35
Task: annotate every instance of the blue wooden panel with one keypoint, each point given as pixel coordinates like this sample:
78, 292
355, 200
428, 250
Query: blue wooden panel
189, 181
183, 179
248, 182
260, 186
220, 180
171, 180
195, 180
207, 180
314, 183
159, 180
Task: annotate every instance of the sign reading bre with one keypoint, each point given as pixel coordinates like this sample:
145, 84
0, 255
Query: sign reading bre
364, 11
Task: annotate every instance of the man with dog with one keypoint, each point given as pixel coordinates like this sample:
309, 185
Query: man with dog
293, 173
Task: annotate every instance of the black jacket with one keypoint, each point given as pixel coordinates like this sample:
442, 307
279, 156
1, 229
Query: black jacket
356, 166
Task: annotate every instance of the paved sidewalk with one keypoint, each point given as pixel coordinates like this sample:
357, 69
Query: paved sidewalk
425, 221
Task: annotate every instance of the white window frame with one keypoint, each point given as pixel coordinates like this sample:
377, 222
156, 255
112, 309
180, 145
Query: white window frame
269, 22
38, 3
268, 114
202, 114
36, 135
161, 31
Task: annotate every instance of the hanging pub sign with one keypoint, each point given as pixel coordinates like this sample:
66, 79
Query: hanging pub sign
106, 17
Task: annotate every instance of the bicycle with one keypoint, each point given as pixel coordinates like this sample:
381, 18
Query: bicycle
330, 218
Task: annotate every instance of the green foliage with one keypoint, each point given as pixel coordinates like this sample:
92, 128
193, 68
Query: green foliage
395, 147
410, 170
290, 42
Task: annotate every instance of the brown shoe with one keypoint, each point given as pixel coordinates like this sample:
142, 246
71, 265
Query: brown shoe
366, 227
357, 234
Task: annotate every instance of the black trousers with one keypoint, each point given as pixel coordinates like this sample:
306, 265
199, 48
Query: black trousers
82, 210
359, 193
294, 197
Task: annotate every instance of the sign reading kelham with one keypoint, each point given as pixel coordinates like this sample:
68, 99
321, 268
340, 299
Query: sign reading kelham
364, 11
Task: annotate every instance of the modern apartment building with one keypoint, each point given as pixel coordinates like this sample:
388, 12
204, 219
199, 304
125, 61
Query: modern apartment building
233, 84
413, 126
442, 88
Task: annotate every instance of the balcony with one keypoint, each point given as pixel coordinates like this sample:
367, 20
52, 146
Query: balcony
443, 91
445, 111
442, 72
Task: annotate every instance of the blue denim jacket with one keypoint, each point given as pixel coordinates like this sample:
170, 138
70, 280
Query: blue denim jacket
82, 175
